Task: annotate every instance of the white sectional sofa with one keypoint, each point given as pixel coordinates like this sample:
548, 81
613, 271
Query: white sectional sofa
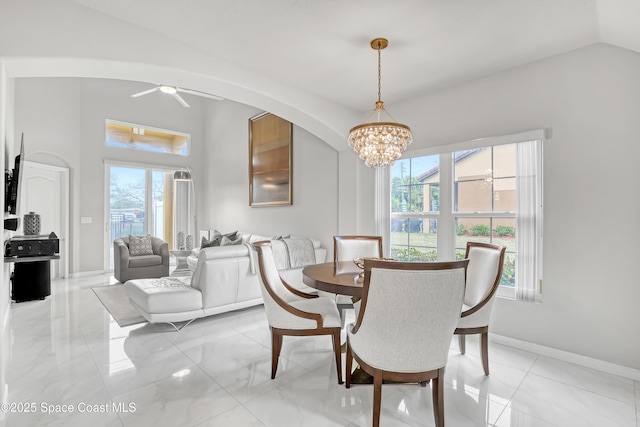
224, 279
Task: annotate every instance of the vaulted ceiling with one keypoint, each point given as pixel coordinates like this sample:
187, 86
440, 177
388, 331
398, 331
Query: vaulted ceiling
322, 47
306, 60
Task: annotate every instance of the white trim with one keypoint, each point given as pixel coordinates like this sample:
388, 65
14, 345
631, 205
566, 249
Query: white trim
446, 246
383, 207
66, 207
106, 193
165, 168
506, 292
532, 135
587, 362
498, 214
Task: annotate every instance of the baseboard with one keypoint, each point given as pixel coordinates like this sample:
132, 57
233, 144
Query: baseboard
87, 273
587, 362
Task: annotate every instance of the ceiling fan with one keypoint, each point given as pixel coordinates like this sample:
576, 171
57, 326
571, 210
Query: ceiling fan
173, 91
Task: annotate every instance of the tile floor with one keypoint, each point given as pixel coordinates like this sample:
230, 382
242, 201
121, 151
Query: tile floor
67, 353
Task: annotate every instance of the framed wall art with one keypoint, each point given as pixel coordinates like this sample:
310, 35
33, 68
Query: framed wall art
270, 161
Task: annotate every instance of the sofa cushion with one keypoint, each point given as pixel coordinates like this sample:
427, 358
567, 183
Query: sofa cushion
144, 261
165, 295
140, 245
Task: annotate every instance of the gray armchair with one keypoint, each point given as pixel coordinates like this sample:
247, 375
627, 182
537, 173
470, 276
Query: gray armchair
127, 267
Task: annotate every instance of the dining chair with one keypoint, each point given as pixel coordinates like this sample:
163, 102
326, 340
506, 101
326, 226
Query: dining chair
483, 277
293, 312
408, 313
348, 248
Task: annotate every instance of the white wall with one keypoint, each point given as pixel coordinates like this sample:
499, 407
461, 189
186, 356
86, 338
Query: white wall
314, 212
5, 298
63, 120
591, 100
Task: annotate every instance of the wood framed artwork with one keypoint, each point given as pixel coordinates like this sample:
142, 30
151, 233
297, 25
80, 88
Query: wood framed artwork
270, 161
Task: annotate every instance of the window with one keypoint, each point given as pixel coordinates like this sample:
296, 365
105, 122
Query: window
485, 191
484, 204
137, 137
415, 202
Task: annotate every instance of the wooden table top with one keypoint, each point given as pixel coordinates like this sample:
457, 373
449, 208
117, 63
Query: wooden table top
335, 277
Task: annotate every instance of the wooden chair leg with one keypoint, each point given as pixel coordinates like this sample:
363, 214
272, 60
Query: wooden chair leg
484, 350
377, 397
437, 392
461, 343
347, 371
337, 351
276, 346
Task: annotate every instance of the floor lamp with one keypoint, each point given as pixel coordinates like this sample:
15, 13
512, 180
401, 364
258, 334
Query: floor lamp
184, 210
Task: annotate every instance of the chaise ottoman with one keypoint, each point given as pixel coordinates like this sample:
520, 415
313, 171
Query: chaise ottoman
165, 300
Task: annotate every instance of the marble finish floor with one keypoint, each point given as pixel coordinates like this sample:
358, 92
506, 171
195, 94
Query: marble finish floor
66, 353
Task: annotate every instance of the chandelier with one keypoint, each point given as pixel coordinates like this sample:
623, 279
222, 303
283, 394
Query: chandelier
380, 143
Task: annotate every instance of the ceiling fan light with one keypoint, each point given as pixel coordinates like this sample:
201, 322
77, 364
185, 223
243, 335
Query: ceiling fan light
168, 89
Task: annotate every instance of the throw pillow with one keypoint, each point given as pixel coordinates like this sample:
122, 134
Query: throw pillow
231, 235
205, 243
288, 236
228, 242
140, 245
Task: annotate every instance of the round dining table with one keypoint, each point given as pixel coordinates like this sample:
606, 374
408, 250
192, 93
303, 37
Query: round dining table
341, 277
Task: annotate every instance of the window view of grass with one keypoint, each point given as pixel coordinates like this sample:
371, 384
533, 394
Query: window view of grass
422, 247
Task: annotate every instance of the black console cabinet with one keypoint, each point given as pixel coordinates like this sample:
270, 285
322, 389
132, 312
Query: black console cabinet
31, 278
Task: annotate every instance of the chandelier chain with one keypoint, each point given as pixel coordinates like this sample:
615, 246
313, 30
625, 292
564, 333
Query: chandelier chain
379, 72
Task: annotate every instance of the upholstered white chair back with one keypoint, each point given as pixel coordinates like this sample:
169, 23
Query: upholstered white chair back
348, 248
277, 316
484, 264
483, 275
409, 317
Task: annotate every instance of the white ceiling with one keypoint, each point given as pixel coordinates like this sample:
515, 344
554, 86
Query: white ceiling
322, 47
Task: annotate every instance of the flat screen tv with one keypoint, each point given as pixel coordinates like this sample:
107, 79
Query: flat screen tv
13, 182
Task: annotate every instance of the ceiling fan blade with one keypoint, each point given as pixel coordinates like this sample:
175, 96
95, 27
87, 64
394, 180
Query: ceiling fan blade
180, 100
198, 93
145, 92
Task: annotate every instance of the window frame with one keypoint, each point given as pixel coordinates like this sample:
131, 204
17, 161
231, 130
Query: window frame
134, 126
446, 217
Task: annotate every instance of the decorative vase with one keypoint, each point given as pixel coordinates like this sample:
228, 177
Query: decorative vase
189, 242
31, 224
180, 240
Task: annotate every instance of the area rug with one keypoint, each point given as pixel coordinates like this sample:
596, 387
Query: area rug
117, 304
